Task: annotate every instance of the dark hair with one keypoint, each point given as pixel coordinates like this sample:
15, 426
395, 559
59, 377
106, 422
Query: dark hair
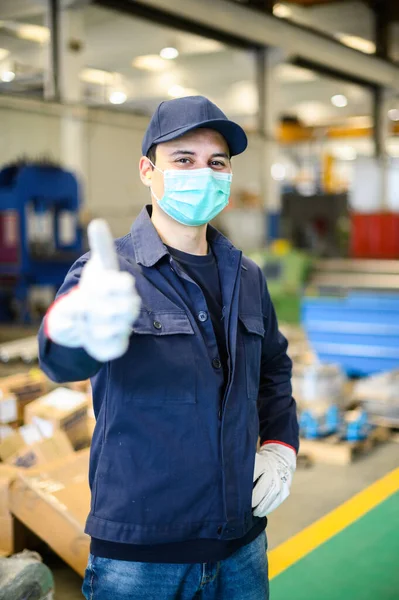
152, 153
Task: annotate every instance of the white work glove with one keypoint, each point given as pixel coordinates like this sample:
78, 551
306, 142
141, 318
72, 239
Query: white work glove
99, 312
275, 466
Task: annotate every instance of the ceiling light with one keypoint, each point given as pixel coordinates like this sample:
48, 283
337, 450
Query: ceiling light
33, 33
193, 44
393, 114
393, 148
344, 153
290, 73
97, 76
150, 62
176, 91
169, 53
339, 100
278, 172
357, 43
7, 76
4, 53
282, 11
117, 97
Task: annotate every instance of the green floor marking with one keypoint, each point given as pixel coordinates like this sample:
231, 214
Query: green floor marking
360, 563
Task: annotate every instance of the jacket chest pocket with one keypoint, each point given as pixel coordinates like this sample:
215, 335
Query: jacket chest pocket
160, 366
251, 335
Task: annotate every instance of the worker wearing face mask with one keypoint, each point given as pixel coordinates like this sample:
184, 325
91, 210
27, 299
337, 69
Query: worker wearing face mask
176, 330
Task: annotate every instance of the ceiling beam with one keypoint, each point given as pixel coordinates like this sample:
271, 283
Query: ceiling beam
266, 30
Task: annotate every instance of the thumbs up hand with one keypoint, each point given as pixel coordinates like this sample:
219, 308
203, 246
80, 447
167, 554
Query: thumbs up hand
98, 314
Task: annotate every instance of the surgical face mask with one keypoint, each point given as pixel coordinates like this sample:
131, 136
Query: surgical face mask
194, 197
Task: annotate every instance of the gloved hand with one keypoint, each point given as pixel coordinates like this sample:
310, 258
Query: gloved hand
275, 466
99, 312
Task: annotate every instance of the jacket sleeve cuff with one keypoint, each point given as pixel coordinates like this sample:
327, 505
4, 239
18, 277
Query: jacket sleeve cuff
46, 316
279, 442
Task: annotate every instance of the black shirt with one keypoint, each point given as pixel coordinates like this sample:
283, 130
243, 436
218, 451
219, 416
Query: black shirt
203, 270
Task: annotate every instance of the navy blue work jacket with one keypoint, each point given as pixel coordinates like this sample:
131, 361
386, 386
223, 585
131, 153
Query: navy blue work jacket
171, 459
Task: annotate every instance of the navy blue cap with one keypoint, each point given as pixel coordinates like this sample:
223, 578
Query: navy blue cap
174, 118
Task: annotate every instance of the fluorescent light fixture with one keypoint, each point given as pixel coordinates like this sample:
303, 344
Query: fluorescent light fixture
117, 97
97, 76
393, 148
357, 43
278, 172
7, 76
150, 62
282, 11
339, 100
33, 33
169, 53
176, 91
292, 73
360, 121
4, 53
393, 114
344, 153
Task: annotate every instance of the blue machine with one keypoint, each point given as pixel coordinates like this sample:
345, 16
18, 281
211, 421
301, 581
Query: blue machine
331, 422
359, 332
357, 429
38, 204
313, 427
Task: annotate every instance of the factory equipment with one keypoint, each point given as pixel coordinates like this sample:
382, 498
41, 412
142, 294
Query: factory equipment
285, 270
40, 232
318, 423
355, 426
351, 314
25, 350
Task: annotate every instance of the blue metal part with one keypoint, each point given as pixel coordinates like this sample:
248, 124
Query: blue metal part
359, 332
357, 430
38, 189
313, 427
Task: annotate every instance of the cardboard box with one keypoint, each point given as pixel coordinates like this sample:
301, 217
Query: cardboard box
18, 439
42, 452
26, 387
60, 409
8, 407
54, 502
26, 447
7, 474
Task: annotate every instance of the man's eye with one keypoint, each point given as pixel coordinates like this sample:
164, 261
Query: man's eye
183, 161
217, 163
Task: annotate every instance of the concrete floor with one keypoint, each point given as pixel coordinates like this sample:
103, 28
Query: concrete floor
316, 491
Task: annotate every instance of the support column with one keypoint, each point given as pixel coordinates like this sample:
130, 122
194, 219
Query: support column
66, 58
380, 100
269, 93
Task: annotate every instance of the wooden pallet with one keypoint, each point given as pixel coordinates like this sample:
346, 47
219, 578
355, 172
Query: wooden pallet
334, 451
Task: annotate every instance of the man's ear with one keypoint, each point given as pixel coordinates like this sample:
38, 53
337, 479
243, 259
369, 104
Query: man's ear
146, 171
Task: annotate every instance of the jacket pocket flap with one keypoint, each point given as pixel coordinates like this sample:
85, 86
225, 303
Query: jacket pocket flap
162, 323
253, 324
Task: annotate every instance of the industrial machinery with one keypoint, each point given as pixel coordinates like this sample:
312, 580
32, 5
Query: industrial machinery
316, 424
350, 314
285, 270
40, 232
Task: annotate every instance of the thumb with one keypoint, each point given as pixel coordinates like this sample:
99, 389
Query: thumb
102, 244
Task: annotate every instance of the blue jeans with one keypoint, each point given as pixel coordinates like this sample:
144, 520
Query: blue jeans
243, 576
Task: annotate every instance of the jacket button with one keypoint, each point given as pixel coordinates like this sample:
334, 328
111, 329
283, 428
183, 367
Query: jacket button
157, 325
216, 363
202, 316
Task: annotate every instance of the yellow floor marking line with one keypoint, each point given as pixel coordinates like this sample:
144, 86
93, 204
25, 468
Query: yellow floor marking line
325, 528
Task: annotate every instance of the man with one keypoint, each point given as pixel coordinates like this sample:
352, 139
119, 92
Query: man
188, 369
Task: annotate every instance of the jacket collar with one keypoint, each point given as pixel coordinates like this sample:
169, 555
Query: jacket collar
148, 246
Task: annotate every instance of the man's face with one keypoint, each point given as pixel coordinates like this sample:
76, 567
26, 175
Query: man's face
198, 149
